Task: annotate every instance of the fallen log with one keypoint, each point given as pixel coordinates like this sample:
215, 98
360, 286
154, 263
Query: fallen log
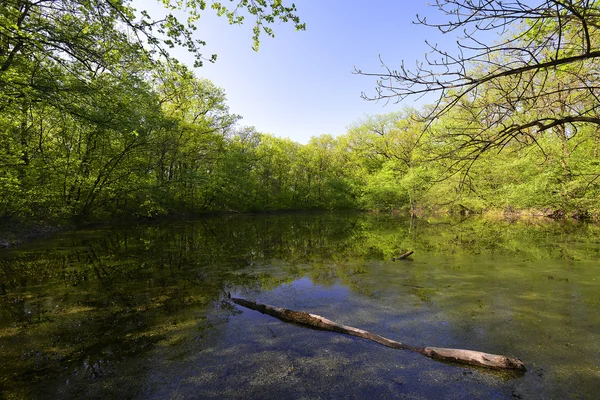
403, 256
469, 357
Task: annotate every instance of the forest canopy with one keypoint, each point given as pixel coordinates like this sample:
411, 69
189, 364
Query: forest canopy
98, 121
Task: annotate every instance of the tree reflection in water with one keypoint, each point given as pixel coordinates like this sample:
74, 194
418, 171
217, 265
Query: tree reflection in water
142, 311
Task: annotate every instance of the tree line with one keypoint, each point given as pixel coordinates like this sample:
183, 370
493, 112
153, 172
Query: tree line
97, 121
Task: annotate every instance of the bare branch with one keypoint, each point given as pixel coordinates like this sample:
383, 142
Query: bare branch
539, 76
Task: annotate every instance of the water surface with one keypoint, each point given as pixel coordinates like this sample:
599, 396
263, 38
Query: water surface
143, 312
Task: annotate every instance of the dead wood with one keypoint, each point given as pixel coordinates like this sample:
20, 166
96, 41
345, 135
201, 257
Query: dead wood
403, 256
469, 357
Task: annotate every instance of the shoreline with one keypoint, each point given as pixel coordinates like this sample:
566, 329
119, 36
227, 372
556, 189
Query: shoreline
15, 233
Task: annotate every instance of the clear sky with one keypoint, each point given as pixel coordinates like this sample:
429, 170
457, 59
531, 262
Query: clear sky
300, 84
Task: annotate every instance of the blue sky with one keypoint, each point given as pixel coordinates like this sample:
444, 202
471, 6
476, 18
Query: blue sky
300, 83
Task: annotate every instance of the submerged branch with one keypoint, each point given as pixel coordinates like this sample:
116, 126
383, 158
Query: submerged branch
469, 357
403, 256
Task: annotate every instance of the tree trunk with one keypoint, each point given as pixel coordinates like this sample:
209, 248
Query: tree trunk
469, 357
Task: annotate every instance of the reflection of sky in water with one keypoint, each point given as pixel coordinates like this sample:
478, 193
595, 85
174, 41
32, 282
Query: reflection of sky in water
304, 287
143, 313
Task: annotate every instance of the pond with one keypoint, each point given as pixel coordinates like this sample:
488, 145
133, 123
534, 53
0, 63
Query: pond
142, 311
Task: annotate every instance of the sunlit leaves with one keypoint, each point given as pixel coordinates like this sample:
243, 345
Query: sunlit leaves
263, 12
538, 76
98, 119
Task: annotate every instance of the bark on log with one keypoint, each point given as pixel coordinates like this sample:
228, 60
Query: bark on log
469, 357
403, 256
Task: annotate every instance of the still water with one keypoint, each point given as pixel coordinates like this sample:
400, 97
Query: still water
142, 311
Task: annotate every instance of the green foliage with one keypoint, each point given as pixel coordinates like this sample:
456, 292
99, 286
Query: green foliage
383, 191
93, 124
97, 124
